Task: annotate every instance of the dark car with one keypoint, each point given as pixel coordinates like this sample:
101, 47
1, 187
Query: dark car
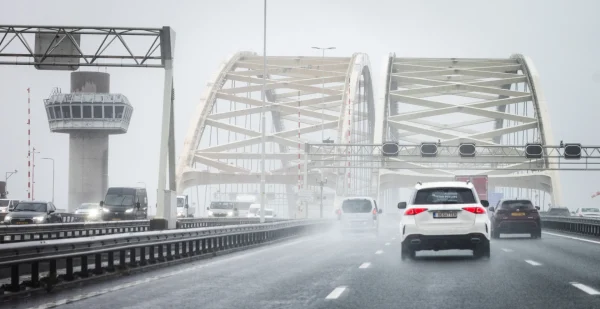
125, 203
33, 212
515, 217
558, 211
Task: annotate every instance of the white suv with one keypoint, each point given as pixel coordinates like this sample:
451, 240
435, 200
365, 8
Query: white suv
445, 216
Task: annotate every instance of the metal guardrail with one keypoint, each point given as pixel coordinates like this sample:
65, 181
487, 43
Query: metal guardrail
586, 226
123, 251
19, 233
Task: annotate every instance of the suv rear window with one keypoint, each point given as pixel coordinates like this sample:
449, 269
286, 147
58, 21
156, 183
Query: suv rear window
559, 212
590, 210
357, 206
444, 196
520, 204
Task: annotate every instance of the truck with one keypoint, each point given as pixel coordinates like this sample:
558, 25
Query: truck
3, 192
183, 208
480, 182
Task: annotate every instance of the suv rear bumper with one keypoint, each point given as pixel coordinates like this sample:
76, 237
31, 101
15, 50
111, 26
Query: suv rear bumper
516, 227
444, 242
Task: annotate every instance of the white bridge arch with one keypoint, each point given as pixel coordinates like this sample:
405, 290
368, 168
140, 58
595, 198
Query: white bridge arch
304, 94
456, 100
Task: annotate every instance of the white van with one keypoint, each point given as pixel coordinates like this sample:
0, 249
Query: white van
253, 211
359, 214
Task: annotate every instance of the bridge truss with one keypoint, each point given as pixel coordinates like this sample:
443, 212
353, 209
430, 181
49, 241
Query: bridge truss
489, 102
309, 100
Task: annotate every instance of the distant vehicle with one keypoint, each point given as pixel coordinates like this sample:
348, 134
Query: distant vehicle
269, 213
359, 214
183, 208
33, 212
445, 216
92, 211
253, 211
515, 217
125, 203
7, 205
558, 211
228, 209
587, 212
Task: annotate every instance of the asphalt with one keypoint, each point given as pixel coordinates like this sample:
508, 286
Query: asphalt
324, 271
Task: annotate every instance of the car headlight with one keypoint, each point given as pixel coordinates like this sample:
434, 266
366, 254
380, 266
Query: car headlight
93, 213
130, 210
3, 209
39, 219
105, 210
7, 218
230, 213
210, 213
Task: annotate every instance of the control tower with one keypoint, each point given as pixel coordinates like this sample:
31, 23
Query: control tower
89, 114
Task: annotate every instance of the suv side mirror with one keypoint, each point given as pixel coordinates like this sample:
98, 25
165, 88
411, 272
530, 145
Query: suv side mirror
491, 209
138, 205
380, 211
207, 208
187, 206
537, 207
50, 211
402, 205
101, 203
485, 203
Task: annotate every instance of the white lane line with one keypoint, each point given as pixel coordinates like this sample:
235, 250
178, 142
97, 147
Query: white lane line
364, 265
534, 263
379, 252
585, 288
336, 292
571, 237
507, 250
393, 238
76, 298
387, 243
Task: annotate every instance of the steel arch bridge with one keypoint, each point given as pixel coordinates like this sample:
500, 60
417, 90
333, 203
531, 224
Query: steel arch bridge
453, 101
309, 99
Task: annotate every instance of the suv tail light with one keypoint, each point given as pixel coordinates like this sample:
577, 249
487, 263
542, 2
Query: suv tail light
374, 211
414, 211
475, 209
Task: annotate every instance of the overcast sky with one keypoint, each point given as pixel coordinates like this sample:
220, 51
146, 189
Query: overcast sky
559, 36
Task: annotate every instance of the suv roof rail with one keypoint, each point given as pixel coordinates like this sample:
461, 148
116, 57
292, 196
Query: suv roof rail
468, 181
419, 183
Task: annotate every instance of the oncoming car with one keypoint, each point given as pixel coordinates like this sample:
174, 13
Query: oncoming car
445, 216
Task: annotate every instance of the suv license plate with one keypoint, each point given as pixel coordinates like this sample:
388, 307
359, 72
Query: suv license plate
518, 214
445, 214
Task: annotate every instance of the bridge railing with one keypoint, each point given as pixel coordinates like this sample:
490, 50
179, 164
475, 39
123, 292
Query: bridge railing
19, 233
123, 252
579, 225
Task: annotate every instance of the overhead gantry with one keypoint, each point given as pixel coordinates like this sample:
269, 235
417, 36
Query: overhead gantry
308, 100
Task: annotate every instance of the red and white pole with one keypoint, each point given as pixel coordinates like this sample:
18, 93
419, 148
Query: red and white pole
29, 188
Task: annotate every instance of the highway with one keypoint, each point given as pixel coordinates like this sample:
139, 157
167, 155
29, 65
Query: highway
360, 271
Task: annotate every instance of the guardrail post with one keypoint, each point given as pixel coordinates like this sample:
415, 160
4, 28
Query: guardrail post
69, 275
169, 252
177, 255
143, 256
161, 253
122, 263
132, 260
111, 261
204, 248
152, 256
14, 278
52, 273
184, 248
98, 263
84, 266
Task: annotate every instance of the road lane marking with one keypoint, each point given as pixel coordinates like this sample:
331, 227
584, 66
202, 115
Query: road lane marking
80, 297
379, 252
534, 263
572, 237
336, 292
387, 243
507, 250
364, 265
585, 288
393, 238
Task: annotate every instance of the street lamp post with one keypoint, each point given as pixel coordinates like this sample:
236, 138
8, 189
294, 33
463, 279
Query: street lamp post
263, 135
321, 183
323, 49
52, 177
